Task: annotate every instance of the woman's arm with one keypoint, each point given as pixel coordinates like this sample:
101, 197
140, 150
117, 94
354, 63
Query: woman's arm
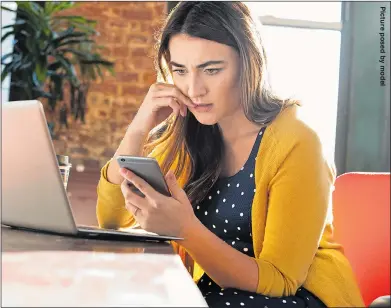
110, 209
160, 101
131, 145
299, 196
299, 202
228, 267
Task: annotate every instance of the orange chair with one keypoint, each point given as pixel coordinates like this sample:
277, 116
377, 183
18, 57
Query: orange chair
361, 211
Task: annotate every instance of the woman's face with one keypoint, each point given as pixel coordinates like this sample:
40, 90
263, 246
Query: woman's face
208, 73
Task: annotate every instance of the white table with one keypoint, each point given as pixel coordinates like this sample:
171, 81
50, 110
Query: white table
48, 270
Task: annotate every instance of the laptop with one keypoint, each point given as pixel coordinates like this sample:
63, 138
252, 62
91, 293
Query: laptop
33, 194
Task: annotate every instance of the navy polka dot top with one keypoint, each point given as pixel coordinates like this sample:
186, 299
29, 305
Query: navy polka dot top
226, 210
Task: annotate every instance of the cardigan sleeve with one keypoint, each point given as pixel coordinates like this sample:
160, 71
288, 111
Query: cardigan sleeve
298, 203
110, 208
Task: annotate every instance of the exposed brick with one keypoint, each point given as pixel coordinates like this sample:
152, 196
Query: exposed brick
127, 77
146, 27
121, 52
129, 116
139, 52
114, 37
134, 90
159, 10
116, 12
141, 63
137, 14
94, 97
113, 126
135, 26
92, 10
136, 38
106, 53
105, 88
106, 14
103, 113
149, 78
120, 102
116, 24
127, 33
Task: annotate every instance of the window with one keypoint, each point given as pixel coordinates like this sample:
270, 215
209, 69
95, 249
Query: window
302, 42
310, 11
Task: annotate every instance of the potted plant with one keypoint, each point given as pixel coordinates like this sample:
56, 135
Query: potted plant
53, 52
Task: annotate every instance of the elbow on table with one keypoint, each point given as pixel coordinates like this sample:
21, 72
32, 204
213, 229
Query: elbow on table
113, 218
115, 222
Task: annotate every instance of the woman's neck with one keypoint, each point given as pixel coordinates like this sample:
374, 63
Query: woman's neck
239, 135
237, 126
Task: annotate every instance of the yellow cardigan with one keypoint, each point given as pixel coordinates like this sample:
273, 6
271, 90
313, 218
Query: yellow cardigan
291, 216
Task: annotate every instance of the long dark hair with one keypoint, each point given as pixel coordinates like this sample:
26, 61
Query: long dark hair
187, 142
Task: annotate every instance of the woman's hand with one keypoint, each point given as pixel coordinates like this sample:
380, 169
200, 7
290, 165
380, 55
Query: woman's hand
155, 212
161, 100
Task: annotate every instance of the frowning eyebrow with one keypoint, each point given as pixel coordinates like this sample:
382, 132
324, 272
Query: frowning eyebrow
172, 63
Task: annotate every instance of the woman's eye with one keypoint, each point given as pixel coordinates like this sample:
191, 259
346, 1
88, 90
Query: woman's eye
212, 71
179, 72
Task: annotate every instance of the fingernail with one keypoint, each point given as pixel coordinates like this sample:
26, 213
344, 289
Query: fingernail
122, 171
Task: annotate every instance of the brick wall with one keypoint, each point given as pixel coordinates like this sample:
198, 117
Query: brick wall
127, 32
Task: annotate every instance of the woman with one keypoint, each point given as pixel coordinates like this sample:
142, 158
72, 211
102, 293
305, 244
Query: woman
252, 199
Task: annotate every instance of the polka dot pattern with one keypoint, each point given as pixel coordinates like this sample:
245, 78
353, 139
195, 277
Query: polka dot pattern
217, 298
226, 211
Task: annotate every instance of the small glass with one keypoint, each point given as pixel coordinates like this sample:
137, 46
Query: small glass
65, 168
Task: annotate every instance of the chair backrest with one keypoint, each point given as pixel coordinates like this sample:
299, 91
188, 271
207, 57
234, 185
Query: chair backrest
361, 208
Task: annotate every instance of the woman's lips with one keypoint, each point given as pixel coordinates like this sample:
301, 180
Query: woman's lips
203, 107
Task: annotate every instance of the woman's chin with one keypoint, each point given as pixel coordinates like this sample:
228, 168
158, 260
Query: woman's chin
205, 119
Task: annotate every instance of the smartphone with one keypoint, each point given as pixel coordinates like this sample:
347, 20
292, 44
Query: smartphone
146, 168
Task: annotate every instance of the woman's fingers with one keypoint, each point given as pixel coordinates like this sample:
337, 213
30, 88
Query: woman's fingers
176, 106
173, 103
132, 197
140, 184
132, 208
173, 91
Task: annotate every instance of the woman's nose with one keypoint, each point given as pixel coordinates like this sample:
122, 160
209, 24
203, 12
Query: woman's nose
195, 88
